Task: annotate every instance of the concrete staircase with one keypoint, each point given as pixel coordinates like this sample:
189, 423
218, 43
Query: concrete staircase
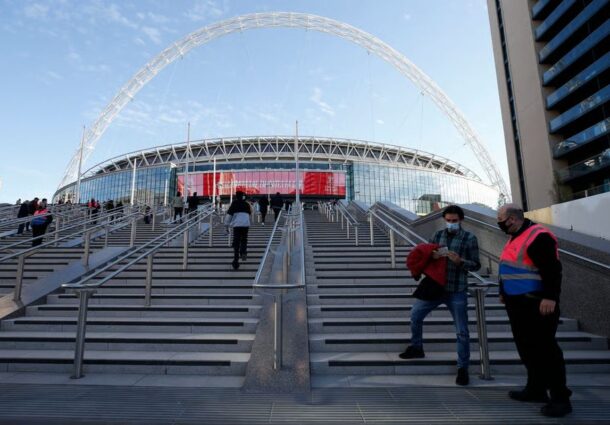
359, 310
202, 320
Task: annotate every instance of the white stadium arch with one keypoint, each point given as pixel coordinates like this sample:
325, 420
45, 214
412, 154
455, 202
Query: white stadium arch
287, 20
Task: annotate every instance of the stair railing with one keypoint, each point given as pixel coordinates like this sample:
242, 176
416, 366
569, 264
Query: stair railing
294, 223
24, 254
478, 289
84, 288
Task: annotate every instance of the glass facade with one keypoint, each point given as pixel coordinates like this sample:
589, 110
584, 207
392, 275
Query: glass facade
417, 190
151, 184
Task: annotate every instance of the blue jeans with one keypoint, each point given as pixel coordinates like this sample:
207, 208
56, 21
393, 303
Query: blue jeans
457, 303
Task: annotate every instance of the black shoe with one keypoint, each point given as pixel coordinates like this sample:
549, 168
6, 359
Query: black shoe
462, 376
413, 352
556, 409
529, 396
235, 264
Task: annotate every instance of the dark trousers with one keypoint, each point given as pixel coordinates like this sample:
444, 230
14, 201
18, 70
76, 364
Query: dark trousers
20, 228
263, 214
240, 242
38, 231
178, 212
535, 340
276, 211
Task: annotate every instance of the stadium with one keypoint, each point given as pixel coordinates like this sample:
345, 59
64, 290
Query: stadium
329, 168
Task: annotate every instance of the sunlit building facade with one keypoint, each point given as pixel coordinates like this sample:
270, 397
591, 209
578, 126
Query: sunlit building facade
329, 168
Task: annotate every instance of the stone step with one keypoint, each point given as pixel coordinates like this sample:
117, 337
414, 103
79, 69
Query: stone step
198, 299
147, 362
444, 362
182, 287
440, 341
431, 324
132, 324
391, 310
127, 341
138, 310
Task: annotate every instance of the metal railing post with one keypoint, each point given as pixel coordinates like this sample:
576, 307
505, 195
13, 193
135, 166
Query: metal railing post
348, 230
132, 236
185, 249
19, 278
392, 249
57, 225
87, 248
211, 230
356, 233
154, 220
277, 334
229, 236
371, 230
81, 329
148, 289
106, 236
479, 295
285, 264
342, 218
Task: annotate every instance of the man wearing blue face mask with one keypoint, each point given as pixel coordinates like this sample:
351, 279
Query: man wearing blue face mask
462, 251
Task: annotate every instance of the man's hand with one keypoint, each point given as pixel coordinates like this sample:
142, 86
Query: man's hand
547, 307
436, 255
453, 256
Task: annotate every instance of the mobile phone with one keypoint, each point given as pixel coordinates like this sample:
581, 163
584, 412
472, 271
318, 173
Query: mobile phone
443, 251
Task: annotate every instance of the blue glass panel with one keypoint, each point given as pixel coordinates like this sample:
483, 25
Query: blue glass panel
583, 47
582, 108
590, 134
592, 71
580, 20
539, 7
553, 17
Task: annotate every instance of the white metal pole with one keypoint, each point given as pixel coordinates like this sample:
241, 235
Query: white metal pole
166, 189
296, 171
80, 167
214, 185
133, 182
188, 156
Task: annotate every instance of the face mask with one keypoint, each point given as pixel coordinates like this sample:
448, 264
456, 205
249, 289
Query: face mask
503, 226
453, 227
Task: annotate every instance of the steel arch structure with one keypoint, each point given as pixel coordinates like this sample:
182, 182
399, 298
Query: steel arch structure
287, 20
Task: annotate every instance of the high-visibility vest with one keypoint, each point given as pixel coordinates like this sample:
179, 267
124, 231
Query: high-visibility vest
518, 273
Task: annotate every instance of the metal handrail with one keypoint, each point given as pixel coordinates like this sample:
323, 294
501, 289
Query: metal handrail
483, 281
563, 251
59, 238
85, 290
53, 210
278, 297
267, 250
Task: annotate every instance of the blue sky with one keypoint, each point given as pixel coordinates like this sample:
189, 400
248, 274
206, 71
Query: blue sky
64, 60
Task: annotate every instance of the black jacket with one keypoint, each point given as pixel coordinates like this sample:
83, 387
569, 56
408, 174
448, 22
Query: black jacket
277, 202
24, 210
263, 203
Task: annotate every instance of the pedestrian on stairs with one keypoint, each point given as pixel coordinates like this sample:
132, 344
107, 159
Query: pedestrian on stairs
238, 217
178, 204
462, 251
277, 203
530, 284
263, 205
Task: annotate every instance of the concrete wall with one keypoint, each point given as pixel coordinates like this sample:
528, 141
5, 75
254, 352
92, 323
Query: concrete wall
588, 215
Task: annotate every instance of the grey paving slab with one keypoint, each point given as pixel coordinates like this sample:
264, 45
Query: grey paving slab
97, 404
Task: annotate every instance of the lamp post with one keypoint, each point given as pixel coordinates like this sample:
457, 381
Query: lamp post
296, 170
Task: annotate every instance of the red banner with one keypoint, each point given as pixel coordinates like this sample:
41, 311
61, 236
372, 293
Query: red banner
313, 183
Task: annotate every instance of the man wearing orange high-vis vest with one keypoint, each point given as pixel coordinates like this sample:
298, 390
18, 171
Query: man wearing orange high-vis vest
530, 284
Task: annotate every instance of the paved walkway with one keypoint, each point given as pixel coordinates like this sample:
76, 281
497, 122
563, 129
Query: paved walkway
130, 405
